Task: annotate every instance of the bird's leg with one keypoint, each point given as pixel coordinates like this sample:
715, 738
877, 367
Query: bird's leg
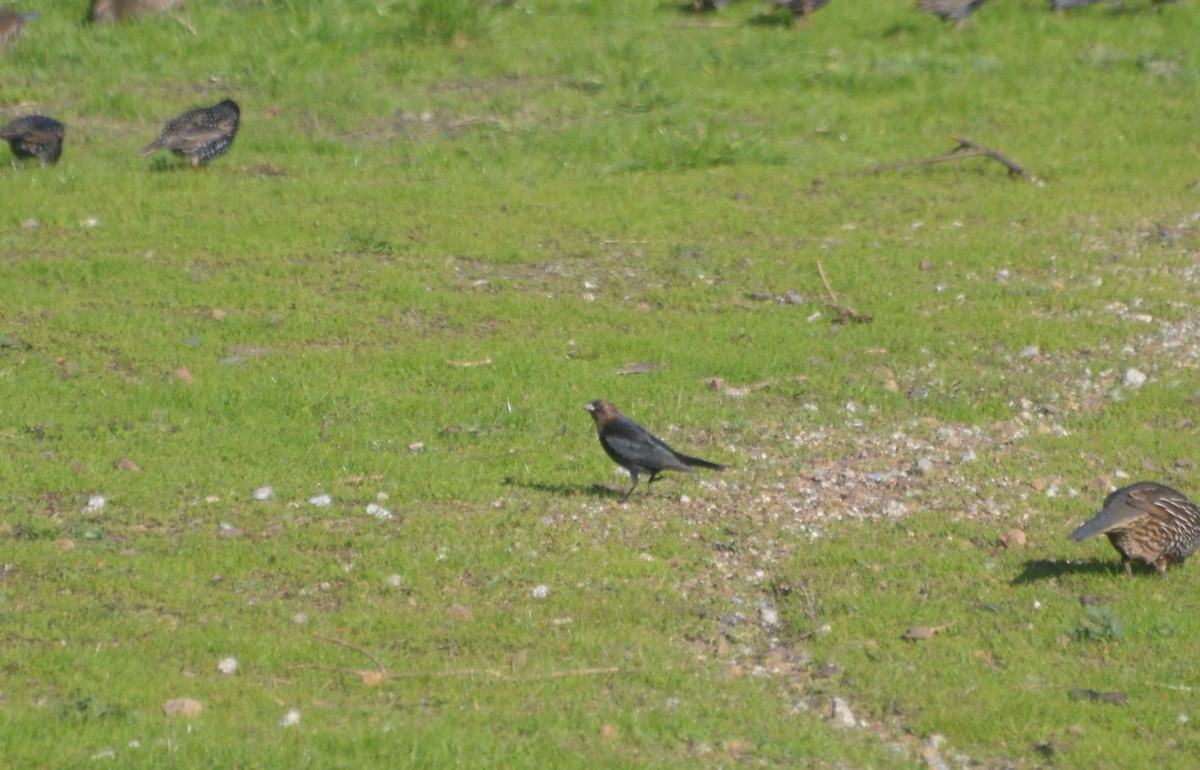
1161, 566
630, 492
653, 478
1129, 569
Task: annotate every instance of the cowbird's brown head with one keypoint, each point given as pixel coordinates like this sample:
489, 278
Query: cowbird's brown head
602, 412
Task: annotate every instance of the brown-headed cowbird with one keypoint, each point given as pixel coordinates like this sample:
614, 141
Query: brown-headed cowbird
35, 136
12, 25
636, 449
1147, 522
202, 134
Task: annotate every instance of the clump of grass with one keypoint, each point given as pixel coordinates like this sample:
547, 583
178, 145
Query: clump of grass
1098, 624
445, 21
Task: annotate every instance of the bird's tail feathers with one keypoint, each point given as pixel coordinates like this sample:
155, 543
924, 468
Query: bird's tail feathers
151, 147
696, 462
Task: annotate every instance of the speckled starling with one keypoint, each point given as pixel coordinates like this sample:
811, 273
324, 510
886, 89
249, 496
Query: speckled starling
104, 11
201, 134
12, 25
803, 8
1149, 523
956, 11
35, 136
1063, 5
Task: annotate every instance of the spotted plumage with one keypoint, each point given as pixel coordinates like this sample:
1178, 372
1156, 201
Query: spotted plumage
104, 11
1147, 522
201, 134
12, 25
956, 11
803, 8
1064, 5
35, 136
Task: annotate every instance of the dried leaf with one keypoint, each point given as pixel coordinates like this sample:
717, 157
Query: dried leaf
372, 678
642, 368
126, 464
924, 632
182, 706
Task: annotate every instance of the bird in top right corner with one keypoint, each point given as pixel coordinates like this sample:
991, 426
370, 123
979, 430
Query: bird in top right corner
1147, 522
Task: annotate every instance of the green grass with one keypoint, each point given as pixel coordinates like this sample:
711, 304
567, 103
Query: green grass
562, 189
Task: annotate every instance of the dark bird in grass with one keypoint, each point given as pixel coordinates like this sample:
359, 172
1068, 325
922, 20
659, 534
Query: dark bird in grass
1065, 5
104, 11
12, 25
1147, 522
201, 134
35, 136
636, 449
803, 8
957, 11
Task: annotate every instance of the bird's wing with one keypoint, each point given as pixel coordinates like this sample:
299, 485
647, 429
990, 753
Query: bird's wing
42, 135
191, 139
1121, 507
626, 439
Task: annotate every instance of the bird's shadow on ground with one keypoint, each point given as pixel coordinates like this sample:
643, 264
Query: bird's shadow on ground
1050, 569
598, 491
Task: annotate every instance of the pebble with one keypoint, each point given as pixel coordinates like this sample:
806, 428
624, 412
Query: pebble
968, 456
321, 501
264, 493
395, 581
95, 504
290, 719
378, 511
769, 616
1134, 378
841, 714
540, 591
924, 466
228, 666
1030, 351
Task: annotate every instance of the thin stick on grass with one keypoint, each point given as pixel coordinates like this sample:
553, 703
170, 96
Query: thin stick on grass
966, 149
490, 673
844, 313
356, 648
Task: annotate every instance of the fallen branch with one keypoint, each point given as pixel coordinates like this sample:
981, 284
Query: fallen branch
965, 149
844, 314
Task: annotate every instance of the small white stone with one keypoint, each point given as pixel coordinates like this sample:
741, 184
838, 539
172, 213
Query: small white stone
1030, 351
264, 493
1036, 604
290, 719
416, 446
1183, 719
1134, 379
540, 591
228, 666
841, 714
300, 618
95, 504
321, 501
104, 754
395, 581
89, 222
968, 456
381, 496
769, 616
378, 511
